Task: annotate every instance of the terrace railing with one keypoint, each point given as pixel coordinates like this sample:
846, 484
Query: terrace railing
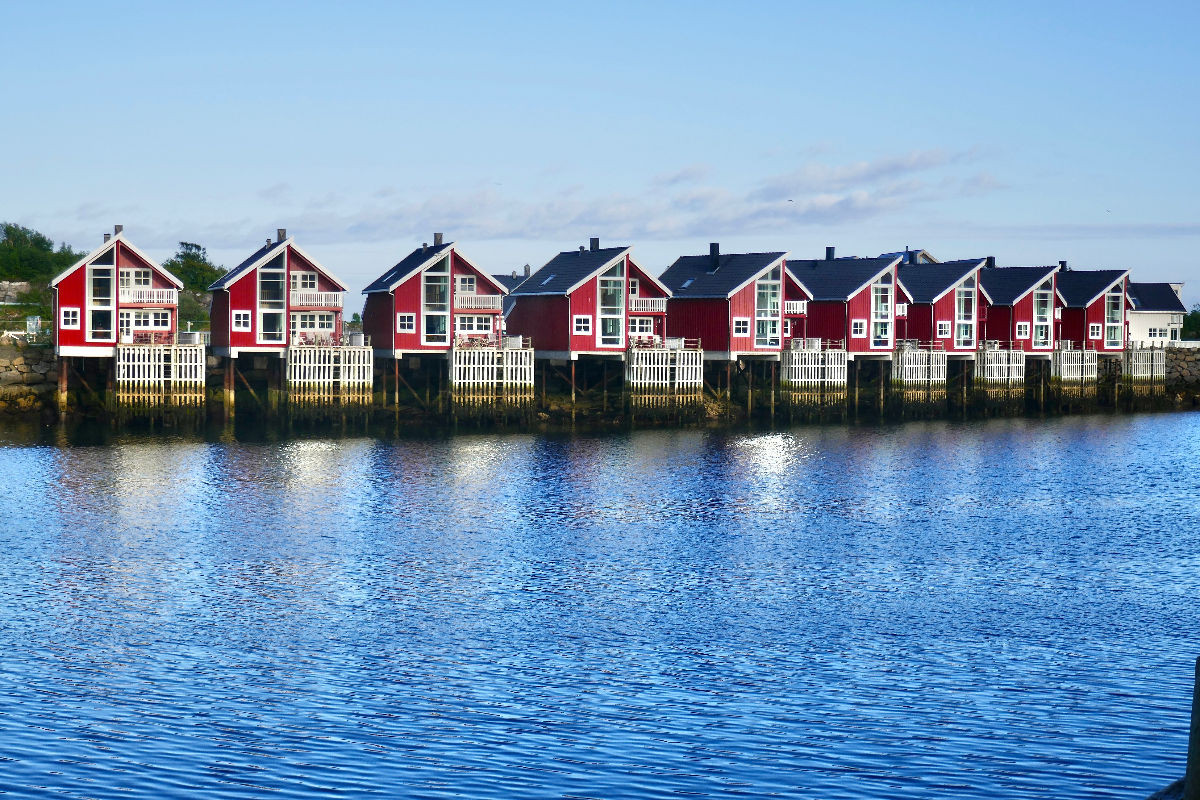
138, 296
302, 298
478, 302
795, 306
647, 305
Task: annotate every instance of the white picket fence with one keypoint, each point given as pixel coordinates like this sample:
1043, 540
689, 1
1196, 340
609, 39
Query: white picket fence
1000, 367
1075, 366
159, 366
803, 368
315, 366
1146, 364
664, 368
912, 366
491, 366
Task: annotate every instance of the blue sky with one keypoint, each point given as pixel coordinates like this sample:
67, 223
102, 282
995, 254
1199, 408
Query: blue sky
1030, 131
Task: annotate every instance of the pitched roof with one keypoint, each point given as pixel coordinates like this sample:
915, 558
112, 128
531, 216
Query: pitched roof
695, 277
510, 282
563, 273
907, 256
838, 279
264, 254
412, 262
110, 244
926, 283
1006, 285
1155, 297
1081, 287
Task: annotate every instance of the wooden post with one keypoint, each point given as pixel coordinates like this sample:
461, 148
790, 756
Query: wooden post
543, 383
572, 382
62, 383
228, 392
396, 381
750, 388
772, 390
1191, 776
604, 387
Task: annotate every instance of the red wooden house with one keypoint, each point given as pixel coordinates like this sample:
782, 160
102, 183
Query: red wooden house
731, 302
432, 298
278, 296
938, 304
114, 294
592, 301
1018, 307
844, 302
1094, 305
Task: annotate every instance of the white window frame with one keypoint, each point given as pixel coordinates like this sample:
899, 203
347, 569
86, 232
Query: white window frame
303, 281
406, 323
615, 274
882, 315
1041, 322
134, 278
64, 313
741, 326
634, 287
1022, 330
242, 320
581, 325
901, 309
944, 329
768, 315
161, 319
465, 284
787, 328
472, 323
641, 326
1095, 331
858, 329
1174, 334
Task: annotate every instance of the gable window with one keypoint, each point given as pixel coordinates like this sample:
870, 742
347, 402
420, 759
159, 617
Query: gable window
100, 303
436, 296
1114, 317
1094, 331
304, 281
741, 326
1041, 315
406, 323
611, 305
583, 325
943, 329
633, 287
135, 279
69, 318
466, 284
964, 314
766, 309
271, 301
858, 328
1022, 330
241, 320
881, 311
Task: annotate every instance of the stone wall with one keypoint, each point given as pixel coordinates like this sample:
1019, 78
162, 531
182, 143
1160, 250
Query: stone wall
11, 291
1183, 367
28, 377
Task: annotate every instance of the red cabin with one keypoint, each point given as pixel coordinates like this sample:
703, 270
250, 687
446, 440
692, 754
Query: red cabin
1094, 305
846, 302
731, 302
1018, 307
591, 301
432, 298
277, 297
114, 294
938, 304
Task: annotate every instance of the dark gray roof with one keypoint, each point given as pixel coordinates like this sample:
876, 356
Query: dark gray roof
1155, 297
1079, 287
837, 279
566, 269
1005, 284
407, 266
694, 276
235, 273
509, 282
924, 282
906, 256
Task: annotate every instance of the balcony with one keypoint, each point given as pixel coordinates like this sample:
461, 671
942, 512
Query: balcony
307, 299
130, 295
647, 305
477, 302
795, 306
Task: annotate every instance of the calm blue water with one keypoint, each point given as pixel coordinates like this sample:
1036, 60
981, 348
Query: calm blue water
1005, 609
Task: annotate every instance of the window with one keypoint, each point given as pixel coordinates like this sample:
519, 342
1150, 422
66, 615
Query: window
964, 314
1114, 317
472, 323
741, 326
304, 281
100, 303
466, 284
611, 305
135, 279
633, 287
1094, 331
241, 320
311, 325
162, 319
1041, 315
271, 300
768, 290
881, 312
943, 329
406, 323
436, 282
858, 328
583, 325
787, 327
69, 318
901, 309
1174, 334
641, 326
1022, 330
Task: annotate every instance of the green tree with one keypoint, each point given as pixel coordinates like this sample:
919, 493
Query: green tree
1191, 324
26, 255
191, 265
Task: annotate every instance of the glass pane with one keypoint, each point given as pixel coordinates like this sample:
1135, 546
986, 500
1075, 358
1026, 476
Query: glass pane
437, 293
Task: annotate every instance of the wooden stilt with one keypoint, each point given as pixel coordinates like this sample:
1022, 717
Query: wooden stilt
62, 383
572, 382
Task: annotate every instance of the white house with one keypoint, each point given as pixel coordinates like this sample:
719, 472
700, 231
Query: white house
1156, 316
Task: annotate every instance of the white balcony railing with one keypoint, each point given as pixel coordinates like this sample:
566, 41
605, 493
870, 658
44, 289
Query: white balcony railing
643, 305
795, 306
316, 299
135, 296
477, 302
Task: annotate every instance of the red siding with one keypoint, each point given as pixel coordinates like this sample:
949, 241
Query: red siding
545, 320
218, 320
705, 319
827, 320
378, 319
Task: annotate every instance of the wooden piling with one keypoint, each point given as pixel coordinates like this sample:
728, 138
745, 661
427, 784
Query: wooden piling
62, 384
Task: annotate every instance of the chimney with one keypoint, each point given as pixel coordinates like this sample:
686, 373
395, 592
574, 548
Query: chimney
595, 243
1063, 266
107, 236
268, 241
990, 262
437, 240
714, 255
280, 234
514, 275
582, 248
117, 229
526, 270
829, 251
424, 246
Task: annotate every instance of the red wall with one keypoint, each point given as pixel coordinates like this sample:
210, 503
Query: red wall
827, 320
545, 319
705, 319
378, 319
